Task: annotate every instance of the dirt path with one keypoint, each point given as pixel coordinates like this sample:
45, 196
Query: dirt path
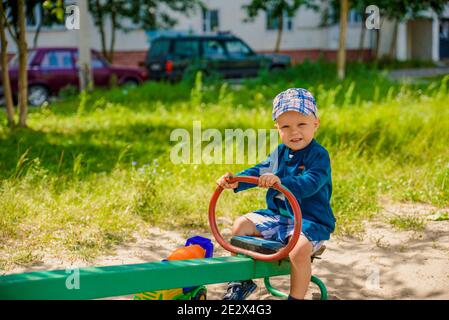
385, 264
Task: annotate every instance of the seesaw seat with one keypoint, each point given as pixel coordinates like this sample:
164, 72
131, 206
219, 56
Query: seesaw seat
263, 246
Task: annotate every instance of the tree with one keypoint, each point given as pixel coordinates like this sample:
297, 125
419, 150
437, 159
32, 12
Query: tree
13, 19
50, 13
395, 10
331, 15
401, 10
341, 59
360, 7
276, 9
23, 74
4, 65
146, 14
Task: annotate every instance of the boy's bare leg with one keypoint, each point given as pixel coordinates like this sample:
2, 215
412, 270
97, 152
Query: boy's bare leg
244, 227
301, 268
239, 290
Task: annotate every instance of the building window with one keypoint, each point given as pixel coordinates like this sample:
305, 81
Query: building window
41, 17
444, 29
33, 17
273, 22
211, 22
354, 17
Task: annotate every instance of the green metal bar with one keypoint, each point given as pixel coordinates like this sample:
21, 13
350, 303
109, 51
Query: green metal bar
322, 287
101, 282
275, 292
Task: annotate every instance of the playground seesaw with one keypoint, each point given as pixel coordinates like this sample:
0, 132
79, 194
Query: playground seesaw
185, 279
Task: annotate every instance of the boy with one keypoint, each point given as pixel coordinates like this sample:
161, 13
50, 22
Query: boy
303, 166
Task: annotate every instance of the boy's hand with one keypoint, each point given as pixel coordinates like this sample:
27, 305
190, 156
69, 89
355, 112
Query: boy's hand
224, 181
268, 180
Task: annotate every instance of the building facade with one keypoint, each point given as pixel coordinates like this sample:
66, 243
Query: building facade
304, 35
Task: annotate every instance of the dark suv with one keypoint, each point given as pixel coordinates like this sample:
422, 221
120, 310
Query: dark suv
170, 57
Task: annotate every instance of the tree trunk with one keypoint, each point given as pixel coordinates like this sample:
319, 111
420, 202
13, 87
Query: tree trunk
279, 35
100, 21
23, 76
341, 60
377, 44
394, 38
113, 29
377, 47
7, 94
362, 41
36, 35
85, 76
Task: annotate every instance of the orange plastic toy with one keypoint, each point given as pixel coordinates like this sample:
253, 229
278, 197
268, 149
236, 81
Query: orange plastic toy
194, 251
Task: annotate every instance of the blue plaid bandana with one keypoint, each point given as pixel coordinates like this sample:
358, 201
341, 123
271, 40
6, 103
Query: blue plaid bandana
294, 99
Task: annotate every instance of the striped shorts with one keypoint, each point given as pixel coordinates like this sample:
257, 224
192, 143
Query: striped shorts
277, 228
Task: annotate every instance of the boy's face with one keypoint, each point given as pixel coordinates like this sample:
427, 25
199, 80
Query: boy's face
296, 130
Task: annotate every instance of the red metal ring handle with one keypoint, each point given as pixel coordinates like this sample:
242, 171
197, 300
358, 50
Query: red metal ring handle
258, 256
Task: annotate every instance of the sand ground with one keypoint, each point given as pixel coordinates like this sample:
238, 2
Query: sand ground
384, 263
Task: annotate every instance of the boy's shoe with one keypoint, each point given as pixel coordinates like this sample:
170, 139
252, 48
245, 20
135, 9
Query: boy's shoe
239, 290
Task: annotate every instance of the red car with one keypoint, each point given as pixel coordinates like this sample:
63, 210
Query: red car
51, 69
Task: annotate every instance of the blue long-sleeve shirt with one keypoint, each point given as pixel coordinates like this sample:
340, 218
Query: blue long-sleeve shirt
307, 174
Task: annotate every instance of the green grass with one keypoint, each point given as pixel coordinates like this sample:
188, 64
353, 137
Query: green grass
91, 171
408, 223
